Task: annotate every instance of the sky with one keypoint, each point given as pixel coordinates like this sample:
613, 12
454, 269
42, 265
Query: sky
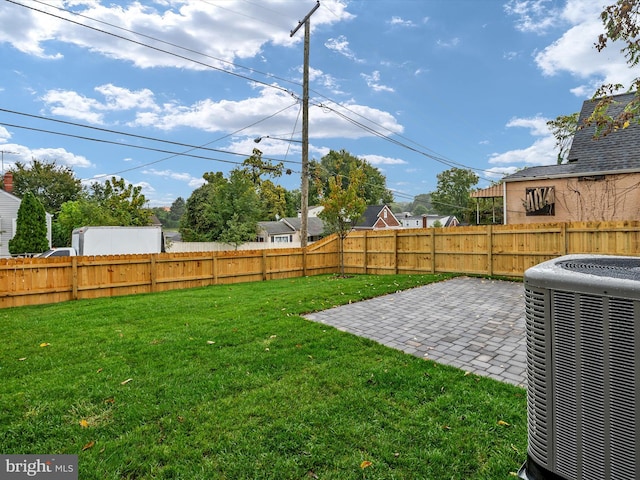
161, 92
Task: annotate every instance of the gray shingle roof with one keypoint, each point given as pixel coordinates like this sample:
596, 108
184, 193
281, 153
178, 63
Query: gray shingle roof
276, 228
616, 152
315, 225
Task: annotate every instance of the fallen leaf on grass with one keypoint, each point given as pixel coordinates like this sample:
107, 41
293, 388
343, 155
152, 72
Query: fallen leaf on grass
89, 445
99, 370
365, 464
22, 359
45, 344
84, 423
126, 381
502, 423
210, 342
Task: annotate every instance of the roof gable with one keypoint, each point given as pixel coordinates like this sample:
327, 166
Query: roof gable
374, 217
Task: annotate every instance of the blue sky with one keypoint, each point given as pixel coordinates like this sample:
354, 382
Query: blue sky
413, 86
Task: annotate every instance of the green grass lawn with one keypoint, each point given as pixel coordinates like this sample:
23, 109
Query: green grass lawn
229, 382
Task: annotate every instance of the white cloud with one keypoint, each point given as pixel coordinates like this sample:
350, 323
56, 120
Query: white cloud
223, 33
341, 45
401, 22
454, 42
66, 103
179, 176
380, 160
533, 15
4, 134
373, 82
61, 157
573, 51
541, 152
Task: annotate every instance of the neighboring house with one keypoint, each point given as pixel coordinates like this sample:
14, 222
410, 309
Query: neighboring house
9, 205
377, 217
287, 230
599, 182
427, 221
276, 232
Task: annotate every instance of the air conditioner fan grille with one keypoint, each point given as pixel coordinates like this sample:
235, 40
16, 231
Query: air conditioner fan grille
627, 268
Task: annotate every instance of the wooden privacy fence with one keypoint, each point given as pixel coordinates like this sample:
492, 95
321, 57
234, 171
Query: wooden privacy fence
505, 250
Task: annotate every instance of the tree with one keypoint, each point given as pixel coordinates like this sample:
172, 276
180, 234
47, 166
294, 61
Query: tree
621, 26
113, 203
176, 211
123, 202
339, 166
31, 227
422, 200
76, 214
452, 196
563, 129
50, 183
343, 206
222, 209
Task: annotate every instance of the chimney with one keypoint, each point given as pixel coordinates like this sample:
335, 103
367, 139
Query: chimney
8, 182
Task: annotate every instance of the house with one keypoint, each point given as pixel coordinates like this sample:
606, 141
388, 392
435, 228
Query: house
9, 205
377, 217
599, 182
427, 221
287, 230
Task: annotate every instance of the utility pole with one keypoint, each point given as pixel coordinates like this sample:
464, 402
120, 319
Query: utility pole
304, 188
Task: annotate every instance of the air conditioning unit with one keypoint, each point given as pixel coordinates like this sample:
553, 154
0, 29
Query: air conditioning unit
583, 365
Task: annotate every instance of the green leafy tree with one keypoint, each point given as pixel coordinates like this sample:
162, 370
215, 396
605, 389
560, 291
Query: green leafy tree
31, 228
51, 184
420, 210
620, 21
225, 210
422, 204
113, 203
563, 128
453, 194
339, 165
123, 202
196, 224
80, 213
176, 211
344, 205
273, 197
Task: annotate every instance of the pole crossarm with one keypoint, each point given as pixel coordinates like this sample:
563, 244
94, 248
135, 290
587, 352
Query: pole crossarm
304, 20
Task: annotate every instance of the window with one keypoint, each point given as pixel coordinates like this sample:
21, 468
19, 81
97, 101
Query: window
540, 201
281, 239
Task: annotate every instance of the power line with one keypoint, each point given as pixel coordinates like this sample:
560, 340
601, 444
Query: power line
354, 122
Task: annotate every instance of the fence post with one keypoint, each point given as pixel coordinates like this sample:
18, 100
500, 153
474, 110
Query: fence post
365, 265
395, 250
264, 265
489, 249
214, 268
432, 234
563, 238
153, 273
74, 278
304, 261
